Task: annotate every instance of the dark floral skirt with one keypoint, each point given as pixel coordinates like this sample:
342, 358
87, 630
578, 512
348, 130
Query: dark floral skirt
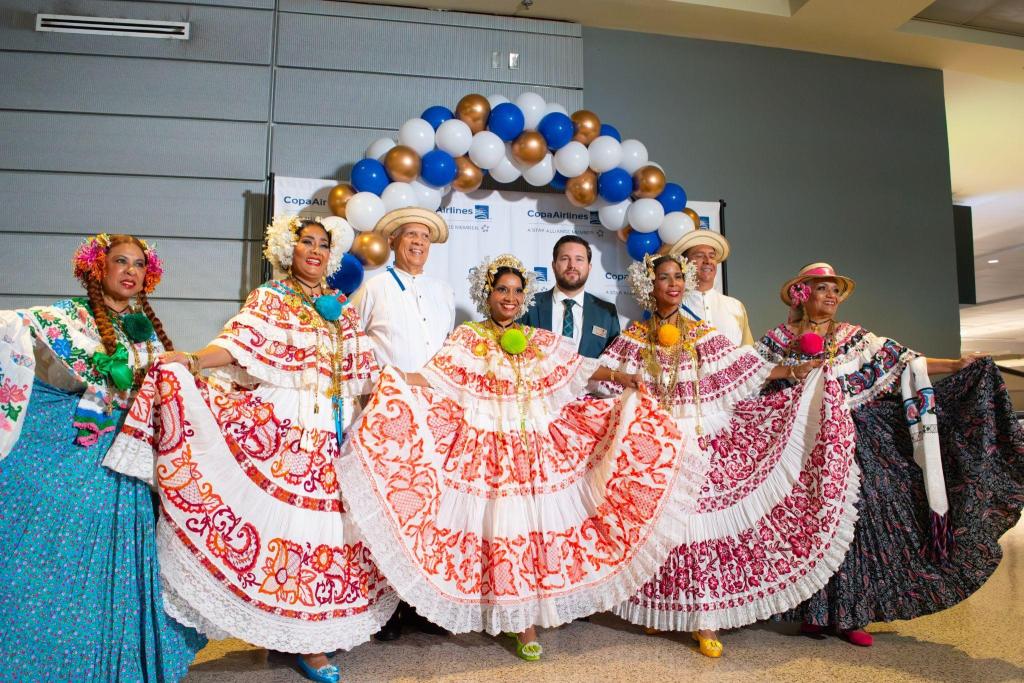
889, 572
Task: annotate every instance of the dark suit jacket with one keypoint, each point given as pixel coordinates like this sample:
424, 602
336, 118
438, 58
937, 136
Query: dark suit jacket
596, 313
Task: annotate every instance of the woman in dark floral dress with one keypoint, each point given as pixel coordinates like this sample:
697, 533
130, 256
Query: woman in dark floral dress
942, 469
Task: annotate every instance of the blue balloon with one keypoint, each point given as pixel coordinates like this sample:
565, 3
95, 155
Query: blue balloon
639, 244
559, 181
437, 115
438, 168
506, 121
673, 197
368, 175
615, 185
557, 130
349, 276
611, 131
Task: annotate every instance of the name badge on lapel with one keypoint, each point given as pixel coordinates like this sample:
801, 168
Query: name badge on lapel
600, 331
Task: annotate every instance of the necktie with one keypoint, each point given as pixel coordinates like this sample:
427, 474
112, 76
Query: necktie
567, 323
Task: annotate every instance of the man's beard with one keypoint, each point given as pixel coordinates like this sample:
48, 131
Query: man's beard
564, 283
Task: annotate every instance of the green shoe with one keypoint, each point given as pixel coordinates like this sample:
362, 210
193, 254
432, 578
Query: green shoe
528, 652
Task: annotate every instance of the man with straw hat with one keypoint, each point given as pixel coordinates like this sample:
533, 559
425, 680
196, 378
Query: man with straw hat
408, 315
706, 249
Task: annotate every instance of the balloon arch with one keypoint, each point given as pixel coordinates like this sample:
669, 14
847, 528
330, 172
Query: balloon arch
445, 150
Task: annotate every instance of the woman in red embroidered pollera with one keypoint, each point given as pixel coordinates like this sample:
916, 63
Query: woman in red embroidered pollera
253, 542
776, 509
492, 498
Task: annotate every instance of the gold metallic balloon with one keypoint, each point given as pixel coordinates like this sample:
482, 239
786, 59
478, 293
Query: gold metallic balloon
473, 110
623, 234
693, 214
468, 175
370, 248
582, 190
338, 198
402, 164
587, 126
648, 182
530, 147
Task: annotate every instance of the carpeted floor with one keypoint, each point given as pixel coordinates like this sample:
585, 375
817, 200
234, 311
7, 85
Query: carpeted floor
980, 640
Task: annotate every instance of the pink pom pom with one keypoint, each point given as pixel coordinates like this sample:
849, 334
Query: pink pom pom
811, 344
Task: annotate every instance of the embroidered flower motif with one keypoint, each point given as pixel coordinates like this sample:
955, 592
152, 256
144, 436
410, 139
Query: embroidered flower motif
287, 580
12, 393
62, 347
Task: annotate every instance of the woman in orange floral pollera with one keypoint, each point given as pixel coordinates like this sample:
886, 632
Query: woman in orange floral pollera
492, 498
252, 540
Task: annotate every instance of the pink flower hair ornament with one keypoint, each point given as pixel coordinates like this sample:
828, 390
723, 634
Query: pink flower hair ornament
799, 293
91, 257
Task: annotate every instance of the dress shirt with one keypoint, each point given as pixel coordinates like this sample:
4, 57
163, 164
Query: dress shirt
558, 314
722, 312
407, 326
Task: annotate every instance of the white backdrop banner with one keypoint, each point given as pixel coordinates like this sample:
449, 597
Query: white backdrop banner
492, 222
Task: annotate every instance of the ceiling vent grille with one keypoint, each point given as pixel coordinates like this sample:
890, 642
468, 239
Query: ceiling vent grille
106, 26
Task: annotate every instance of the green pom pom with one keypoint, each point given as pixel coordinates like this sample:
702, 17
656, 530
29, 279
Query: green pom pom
514, 342
137, 326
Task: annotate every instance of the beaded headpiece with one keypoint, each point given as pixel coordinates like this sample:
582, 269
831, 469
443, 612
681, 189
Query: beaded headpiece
90, 261
283, 234
641, 276
481, 282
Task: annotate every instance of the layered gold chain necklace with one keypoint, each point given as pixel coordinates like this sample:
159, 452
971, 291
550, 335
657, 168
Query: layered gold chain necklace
517, 362
666, 378
331, 353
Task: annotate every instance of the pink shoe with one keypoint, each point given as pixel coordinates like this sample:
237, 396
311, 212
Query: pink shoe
811, 629
858, 637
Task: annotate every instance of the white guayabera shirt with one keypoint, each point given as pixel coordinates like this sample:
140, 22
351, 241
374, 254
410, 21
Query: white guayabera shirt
407, 316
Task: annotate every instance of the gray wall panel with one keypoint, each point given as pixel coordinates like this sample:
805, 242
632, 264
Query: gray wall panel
819, 159
173, 207
128, 145
190, 324
430, 16
426, 50
346, 98
117, 85
320, 151
194, 269
218, 34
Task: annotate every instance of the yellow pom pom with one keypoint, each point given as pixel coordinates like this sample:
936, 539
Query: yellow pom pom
668, 335
513, 341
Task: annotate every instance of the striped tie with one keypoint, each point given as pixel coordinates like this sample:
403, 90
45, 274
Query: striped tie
567, 323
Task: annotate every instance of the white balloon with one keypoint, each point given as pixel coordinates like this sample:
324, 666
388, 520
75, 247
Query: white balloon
645, 215
605, 153
427, 196
674, 226
486, 150
614, 216
656, 165
496, 99
398, 196
572, 160
378, 148
343, 232
533, 106
418, 134
364, 209
542, 172
553, 107
454, 136
505, 171
634, 155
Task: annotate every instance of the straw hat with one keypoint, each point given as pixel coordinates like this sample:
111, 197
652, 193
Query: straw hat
818, 271
703, 237
393, 220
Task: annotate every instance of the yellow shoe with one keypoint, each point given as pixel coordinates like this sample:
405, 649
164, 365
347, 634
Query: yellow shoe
709, 647
651, 631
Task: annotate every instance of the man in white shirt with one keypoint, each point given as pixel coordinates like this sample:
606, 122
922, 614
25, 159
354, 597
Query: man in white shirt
706, 249
590, 322
407, 314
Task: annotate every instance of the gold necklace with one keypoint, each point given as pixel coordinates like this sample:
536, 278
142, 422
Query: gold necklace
665, 390
336, 356
515, 361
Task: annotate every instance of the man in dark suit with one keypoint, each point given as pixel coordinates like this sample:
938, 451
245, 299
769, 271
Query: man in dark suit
592, 323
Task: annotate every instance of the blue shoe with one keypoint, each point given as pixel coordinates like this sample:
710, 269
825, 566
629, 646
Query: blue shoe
325, 674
